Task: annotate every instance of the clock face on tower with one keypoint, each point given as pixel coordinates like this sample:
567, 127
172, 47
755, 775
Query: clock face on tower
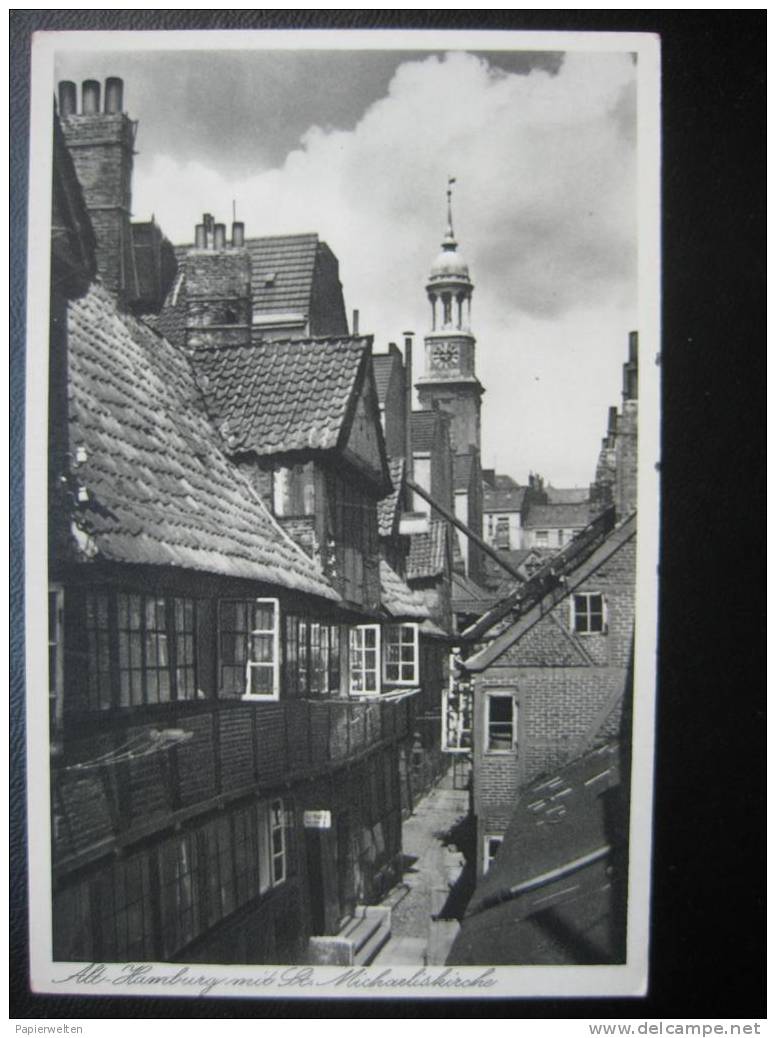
445, 355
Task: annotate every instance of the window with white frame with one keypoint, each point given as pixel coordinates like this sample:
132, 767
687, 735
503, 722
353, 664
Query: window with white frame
249, 658
542, 538
500, 723
502, 532
588, 613
365, 659
401, 654
491, 845
273, 856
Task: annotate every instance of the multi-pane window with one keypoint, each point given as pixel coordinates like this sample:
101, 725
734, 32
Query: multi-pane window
312, 660
365, 659
154, 641
542, 538
249, 648
491, 848
180, 894
401, 654
125, 923
218, 874
185, 659
500, 723
98, 651
588, 613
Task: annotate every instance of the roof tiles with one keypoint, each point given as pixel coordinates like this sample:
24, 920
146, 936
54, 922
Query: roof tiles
428, 552
274, 397
160, 490
387, 508
398, 599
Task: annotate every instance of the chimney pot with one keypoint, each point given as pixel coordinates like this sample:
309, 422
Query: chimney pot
219, 237
90, 97
200, 238
238, 234
355, 322
68, 104
114, 95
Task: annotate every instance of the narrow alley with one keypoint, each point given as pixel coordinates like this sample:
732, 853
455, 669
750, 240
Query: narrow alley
431, 869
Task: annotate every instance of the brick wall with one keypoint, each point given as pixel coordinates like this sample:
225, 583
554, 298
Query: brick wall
568, 689
101, 147
218, 294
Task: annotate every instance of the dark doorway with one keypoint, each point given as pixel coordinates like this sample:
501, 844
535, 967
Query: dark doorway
314, 852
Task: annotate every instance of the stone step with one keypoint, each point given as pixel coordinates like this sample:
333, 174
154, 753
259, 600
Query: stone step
378, 938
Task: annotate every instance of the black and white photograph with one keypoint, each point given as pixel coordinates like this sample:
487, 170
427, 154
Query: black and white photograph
345, 412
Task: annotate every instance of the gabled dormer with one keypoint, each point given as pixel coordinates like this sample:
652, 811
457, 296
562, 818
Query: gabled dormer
302, 419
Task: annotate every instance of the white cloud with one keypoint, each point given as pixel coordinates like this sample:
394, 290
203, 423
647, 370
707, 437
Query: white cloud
544, 211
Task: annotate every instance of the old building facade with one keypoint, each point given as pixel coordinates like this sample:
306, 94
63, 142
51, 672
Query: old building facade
235, 673
548, 669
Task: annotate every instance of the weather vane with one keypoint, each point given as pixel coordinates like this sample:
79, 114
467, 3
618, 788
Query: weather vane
450, 182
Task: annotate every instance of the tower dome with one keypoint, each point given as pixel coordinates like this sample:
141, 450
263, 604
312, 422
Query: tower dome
449, 264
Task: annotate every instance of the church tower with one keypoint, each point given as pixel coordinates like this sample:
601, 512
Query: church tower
449, 380
449, 383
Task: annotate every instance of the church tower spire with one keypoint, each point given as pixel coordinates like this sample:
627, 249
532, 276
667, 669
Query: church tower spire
449, 380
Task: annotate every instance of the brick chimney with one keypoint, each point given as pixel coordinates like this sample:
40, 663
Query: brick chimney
626, 449
101, 141
218, 287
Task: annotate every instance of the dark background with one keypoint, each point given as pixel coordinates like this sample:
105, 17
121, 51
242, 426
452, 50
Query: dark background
708, 901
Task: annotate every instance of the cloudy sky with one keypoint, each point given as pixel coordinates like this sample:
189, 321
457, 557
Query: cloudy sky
357, 145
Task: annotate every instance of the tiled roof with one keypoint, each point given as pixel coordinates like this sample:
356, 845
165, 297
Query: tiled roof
523, 911
551, 516
282, 271
272, 397
462, 471
160, 490
423, 426
468, 596
567, 496
289, 257
400, 601
387, 507
507, 500
383, 365
428, 552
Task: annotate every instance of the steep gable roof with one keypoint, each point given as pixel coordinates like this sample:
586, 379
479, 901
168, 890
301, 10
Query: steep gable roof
384, 365
282, 272
423, 429
398, 599
551, 584
428, 552
159, 489
273, 397
388, 507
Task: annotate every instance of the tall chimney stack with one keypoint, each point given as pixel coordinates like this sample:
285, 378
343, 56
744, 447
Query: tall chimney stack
218, 287
101, 145
355, 322
408, 403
